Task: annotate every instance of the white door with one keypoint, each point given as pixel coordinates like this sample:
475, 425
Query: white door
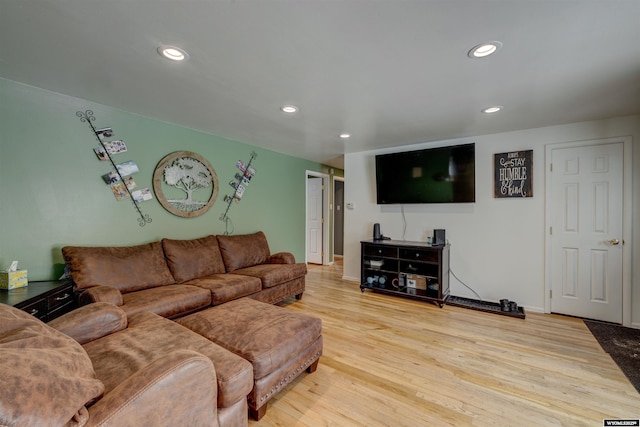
586, 231
314, 220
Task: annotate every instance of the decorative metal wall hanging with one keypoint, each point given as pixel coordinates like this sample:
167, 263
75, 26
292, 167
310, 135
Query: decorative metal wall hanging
186, 174
513, 174
239, 184
119, 179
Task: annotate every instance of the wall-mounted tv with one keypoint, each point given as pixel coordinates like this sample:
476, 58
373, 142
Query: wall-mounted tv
432, 175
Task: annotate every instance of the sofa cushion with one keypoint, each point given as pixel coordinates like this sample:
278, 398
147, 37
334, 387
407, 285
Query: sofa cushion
47, 377
274, 274
243, 250
167, 301
149, 337
190, 259
227, 287
126, 268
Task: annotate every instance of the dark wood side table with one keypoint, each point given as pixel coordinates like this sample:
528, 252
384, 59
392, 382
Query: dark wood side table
45, 300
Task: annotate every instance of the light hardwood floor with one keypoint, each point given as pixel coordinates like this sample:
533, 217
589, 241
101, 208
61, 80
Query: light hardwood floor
396, 362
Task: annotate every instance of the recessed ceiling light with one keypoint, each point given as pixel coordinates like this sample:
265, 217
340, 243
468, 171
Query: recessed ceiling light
491, 110
289, 109
345, 135
173, 53
484, 49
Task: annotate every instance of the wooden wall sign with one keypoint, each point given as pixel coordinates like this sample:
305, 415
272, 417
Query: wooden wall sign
185, 184
513, 174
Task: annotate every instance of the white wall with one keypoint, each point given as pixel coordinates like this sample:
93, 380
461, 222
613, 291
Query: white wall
497, 245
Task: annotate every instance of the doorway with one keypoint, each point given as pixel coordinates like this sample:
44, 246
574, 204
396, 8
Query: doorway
587, 210
317, 205
338, 216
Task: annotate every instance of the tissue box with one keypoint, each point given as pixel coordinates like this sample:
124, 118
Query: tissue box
13, 279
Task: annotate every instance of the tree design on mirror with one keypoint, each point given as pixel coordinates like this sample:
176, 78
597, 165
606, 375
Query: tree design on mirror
185, 183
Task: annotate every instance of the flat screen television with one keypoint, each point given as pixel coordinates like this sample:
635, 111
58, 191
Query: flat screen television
432, 175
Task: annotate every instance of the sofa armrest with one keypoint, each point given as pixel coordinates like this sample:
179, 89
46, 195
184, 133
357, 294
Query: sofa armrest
100, 294
91, 322
281, 258
178, 389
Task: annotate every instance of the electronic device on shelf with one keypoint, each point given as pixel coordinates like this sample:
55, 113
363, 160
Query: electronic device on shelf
439, 237
377, 234
376, 263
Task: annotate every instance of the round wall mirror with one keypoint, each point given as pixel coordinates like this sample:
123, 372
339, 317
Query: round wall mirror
185, 184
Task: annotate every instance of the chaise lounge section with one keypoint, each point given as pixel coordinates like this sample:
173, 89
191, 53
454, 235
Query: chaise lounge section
98, 366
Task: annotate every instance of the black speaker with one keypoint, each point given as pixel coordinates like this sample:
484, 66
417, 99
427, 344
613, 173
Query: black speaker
439, 238
376, 231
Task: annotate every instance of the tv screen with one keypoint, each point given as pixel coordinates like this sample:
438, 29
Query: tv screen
433, 175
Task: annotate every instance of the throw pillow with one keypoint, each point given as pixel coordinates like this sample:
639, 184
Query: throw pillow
47, 377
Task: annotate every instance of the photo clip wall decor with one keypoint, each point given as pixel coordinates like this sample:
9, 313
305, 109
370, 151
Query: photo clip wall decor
119, 179
239, 184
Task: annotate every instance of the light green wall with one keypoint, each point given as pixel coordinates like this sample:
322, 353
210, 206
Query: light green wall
51, 193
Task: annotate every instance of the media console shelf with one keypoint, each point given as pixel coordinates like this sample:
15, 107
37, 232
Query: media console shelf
415, 270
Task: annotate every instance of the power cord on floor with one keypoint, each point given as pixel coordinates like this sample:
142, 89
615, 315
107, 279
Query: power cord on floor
464, 284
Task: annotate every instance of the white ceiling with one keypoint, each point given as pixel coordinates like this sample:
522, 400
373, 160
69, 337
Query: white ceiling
390, 72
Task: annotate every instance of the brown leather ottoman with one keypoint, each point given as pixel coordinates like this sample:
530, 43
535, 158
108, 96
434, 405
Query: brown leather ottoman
279, 343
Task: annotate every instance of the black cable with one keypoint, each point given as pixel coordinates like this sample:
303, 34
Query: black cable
404, 222
227, 223
464, 284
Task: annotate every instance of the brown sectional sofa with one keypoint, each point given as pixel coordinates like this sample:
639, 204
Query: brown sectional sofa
173, 278
118, 359
98, 366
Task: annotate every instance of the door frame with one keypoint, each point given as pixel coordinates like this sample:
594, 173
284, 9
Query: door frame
325, 215
333, 221
627, 179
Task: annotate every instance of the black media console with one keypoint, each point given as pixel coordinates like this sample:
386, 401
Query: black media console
415, 270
